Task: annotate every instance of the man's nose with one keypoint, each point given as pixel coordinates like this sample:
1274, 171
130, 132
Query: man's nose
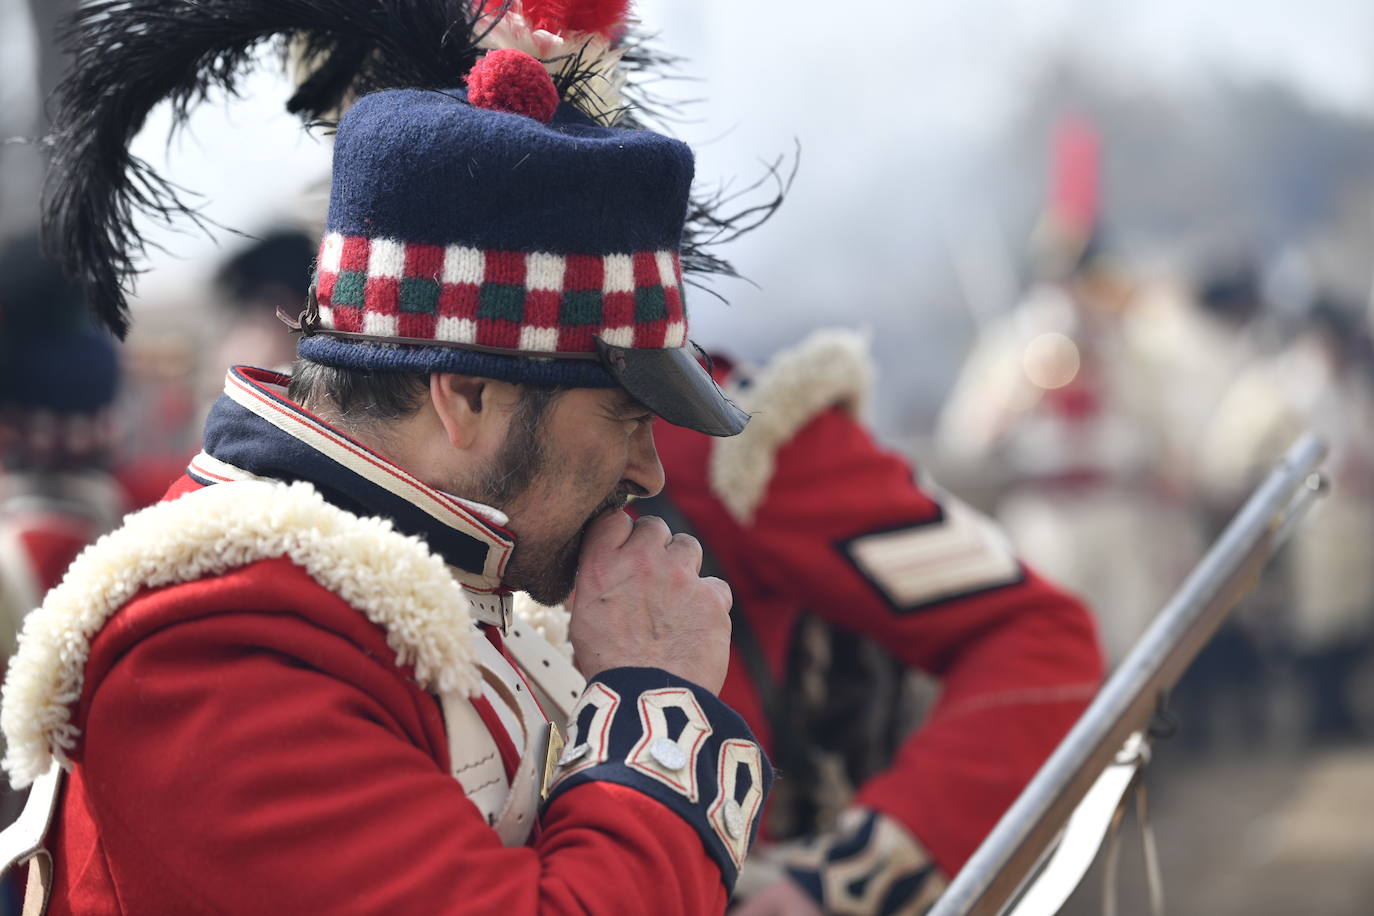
644, 472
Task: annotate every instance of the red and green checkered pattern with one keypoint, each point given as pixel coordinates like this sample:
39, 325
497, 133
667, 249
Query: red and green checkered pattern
528, 301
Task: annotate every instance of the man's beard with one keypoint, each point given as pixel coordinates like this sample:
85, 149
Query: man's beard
546, 572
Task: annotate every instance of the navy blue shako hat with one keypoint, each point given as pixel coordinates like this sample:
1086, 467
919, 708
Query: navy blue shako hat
481, 224
497, 231
58, 372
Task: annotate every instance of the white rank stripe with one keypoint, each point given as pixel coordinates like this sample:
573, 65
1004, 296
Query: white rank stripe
960, 554
474, 755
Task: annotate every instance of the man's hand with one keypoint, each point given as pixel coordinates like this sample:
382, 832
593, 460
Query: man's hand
640, 602
781, 898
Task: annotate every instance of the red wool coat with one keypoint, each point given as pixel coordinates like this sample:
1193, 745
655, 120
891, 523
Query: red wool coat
245, 678
805, 512
250, 745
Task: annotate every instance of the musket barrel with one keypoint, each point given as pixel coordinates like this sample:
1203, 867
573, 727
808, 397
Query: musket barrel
1128, 700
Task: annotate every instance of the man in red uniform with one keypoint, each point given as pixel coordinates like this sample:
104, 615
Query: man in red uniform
57, 380
809, 520
296, 684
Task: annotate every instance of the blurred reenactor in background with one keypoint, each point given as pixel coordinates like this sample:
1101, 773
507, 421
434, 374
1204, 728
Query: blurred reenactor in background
270, 275
172, 379
847, 573
1321, 380
1054, 404
1195, 338
58, 376
1196, 341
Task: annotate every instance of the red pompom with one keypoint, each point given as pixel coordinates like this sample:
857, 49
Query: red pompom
511, 80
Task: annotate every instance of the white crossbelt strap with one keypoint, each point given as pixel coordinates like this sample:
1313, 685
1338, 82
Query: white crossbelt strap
509, 807
558, 683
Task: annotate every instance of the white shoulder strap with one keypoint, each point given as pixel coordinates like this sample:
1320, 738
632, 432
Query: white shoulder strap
510, 807
472, 752
558, 683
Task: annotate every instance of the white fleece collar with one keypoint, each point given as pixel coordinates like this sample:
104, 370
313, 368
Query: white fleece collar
393, 579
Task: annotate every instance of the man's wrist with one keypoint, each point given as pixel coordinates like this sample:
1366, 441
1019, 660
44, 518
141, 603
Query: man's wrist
676, 742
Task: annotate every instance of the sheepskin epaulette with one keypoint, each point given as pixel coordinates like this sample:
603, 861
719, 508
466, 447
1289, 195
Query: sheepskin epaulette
829, 368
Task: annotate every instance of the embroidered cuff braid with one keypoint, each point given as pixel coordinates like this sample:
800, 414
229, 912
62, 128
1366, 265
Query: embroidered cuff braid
677, 743
868, 866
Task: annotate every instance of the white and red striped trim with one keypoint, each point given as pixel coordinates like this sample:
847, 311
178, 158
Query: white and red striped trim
248, 392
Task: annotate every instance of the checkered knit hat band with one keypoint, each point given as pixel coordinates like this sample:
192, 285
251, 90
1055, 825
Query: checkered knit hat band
532, 302
453, 226
33, 438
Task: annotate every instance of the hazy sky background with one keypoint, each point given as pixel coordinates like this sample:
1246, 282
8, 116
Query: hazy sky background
890, 110
892, 104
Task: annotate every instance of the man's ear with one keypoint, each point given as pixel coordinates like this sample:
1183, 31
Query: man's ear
470, 408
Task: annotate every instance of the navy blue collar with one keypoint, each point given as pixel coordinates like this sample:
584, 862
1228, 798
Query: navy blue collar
255, 432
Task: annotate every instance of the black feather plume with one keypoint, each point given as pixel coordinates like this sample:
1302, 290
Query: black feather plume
129, 55
715, 217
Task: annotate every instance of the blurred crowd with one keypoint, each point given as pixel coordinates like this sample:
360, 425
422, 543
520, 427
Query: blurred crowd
1117, 416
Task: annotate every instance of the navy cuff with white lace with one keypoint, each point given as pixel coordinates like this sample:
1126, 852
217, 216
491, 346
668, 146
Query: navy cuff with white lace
677, 743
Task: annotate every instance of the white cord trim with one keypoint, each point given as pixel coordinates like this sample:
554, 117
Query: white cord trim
391, 578
829, 368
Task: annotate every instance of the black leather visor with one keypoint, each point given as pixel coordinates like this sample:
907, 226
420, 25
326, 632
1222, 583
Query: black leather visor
674, 385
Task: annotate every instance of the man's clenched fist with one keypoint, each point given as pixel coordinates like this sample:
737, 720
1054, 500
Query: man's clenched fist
640, 601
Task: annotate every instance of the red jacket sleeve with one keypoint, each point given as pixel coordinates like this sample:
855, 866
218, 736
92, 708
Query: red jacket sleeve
258, 763
845, 531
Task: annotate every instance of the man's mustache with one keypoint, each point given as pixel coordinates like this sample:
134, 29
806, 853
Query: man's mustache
618, 499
